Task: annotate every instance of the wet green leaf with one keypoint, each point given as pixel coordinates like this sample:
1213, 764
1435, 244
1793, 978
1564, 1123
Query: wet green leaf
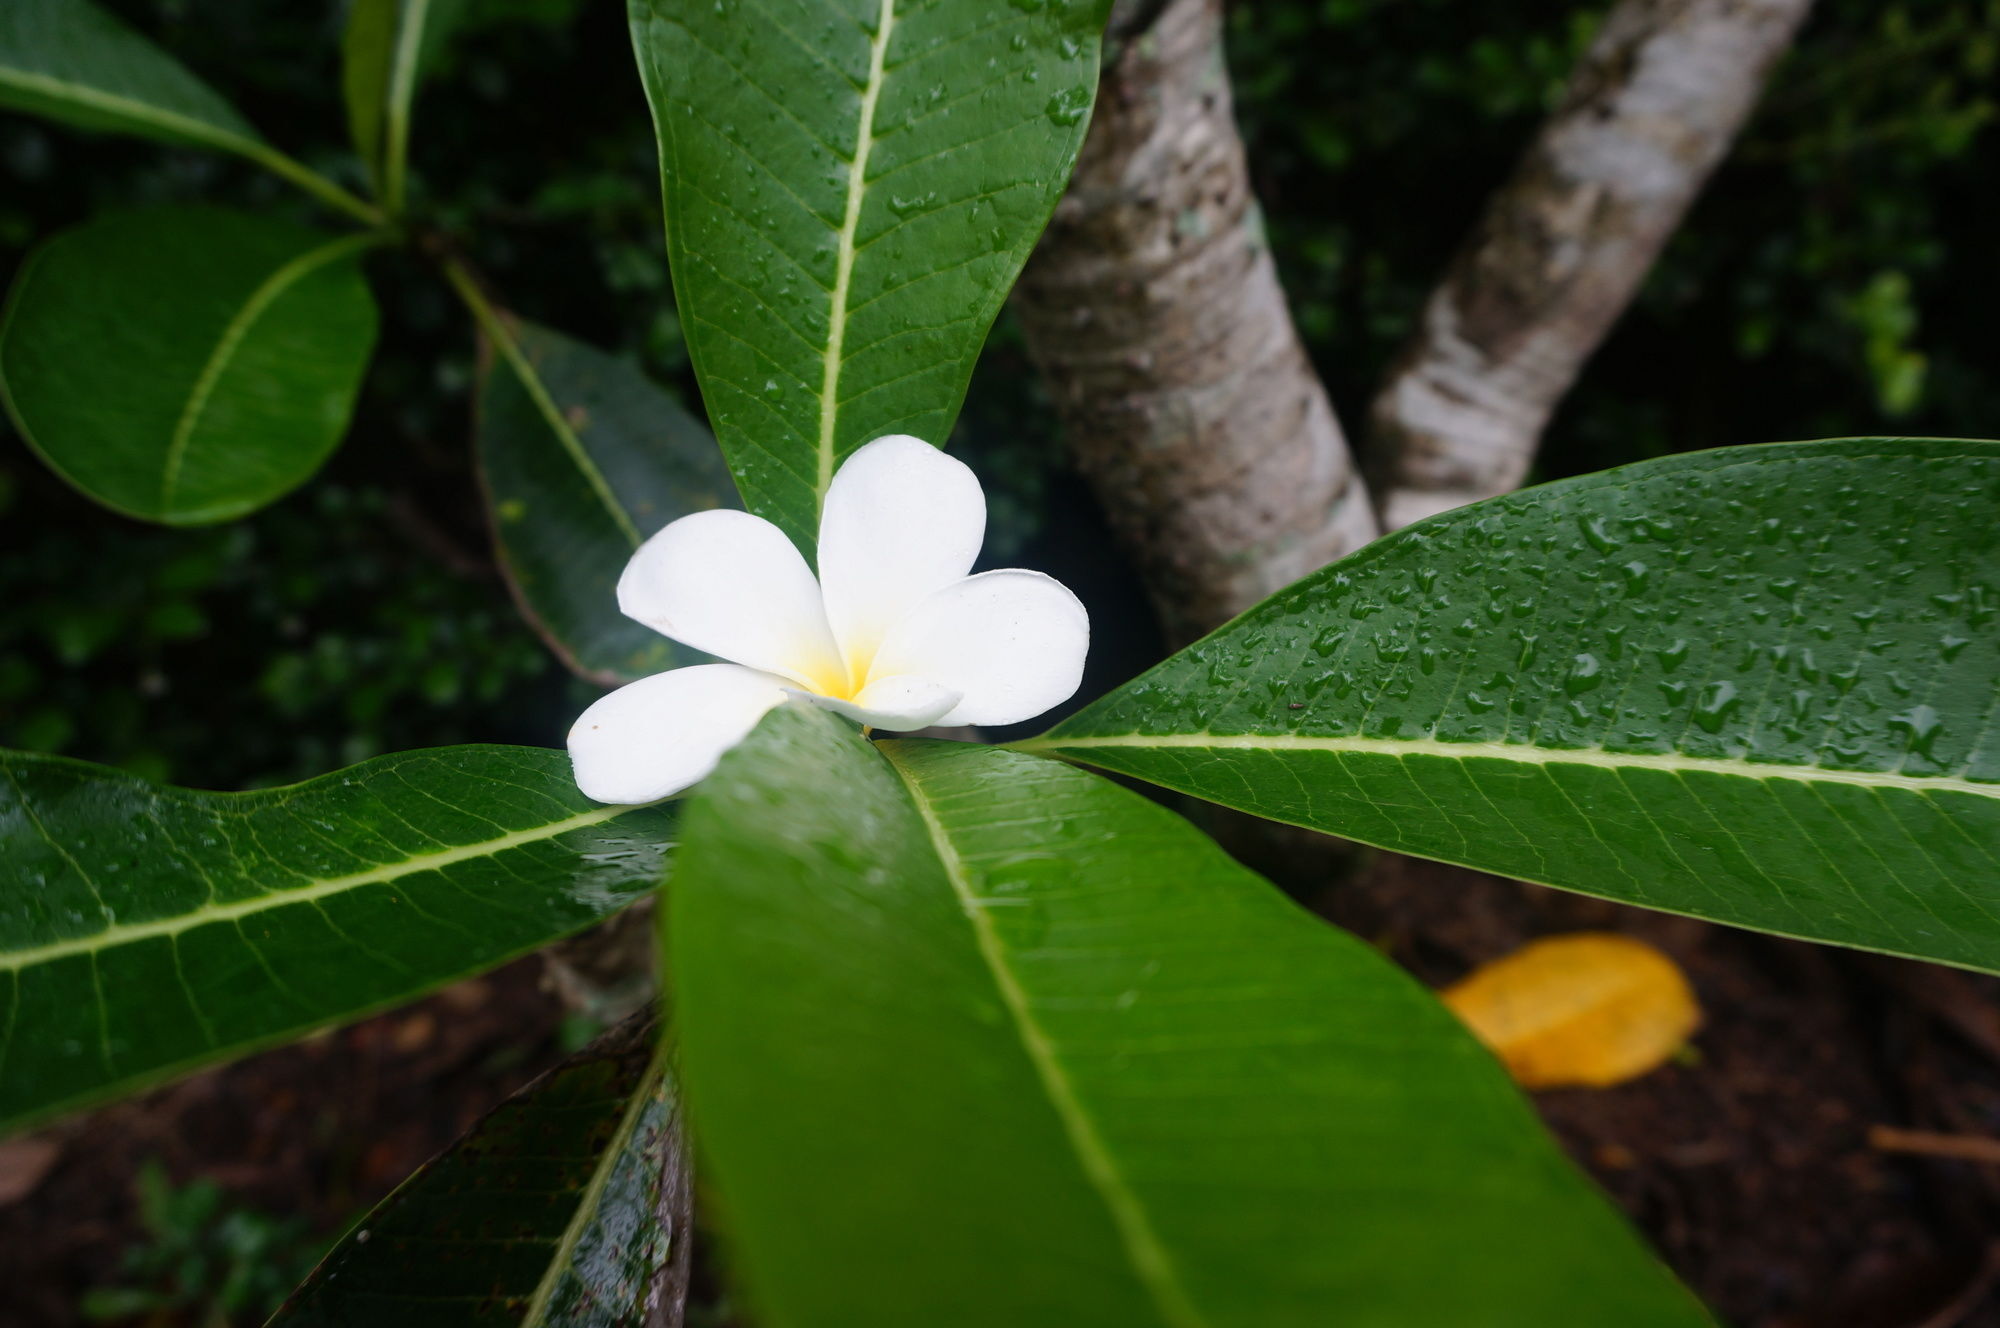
568, 1205
583, 458
146, 930
975, 1038
850, 192
1753, 685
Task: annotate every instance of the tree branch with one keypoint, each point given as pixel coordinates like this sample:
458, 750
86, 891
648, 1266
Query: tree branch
1565, 243
1154, 312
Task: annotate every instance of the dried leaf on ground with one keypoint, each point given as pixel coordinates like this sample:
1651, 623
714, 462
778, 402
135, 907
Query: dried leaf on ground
1587, 1010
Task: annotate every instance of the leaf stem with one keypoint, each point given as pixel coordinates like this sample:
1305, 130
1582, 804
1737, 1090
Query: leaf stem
311, 181
188, 129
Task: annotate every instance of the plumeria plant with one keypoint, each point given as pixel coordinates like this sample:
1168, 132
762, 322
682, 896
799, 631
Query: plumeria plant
966, 1034
895, 634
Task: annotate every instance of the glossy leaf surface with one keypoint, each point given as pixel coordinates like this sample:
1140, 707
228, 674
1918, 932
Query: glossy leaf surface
145, 930
71, 61
187, 364
583, 458
1753, 685
975, 1038
851, 188
568, 1206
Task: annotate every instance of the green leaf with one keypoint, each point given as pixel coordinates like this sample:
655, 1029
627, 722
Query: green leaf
974, 1038
367, 55
851, 190
1752, 685
145, 930
568, 1205
186, 364
385, 51
71, 61
584, 457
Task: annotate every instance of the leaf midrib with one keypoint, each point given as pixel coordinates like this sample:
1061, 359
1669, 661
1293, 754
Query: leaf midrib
843, 270
119, 934
245, 142
402, 86
563, 1255
173, 121
1522, 754
538, 393
260, 300
1151, 1264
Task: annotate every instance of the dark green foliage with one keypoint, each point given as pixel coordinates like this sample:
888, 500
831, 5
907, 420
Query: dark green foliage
564, 1207
313, 635
1751, 685
974, 1038
148, 929
581, 460
229, 1262
849, 196
73, 61
186, 365
364, 613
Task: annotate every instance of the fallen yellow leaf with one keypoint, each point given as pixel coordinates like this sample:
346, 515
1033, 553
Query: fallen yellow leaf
1587, 1010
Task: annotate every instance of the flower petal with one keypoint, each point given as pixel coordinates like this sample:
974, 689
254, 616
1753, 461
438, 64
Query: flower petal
1012, 642
732, 585
899, 704
902, 521
652, 738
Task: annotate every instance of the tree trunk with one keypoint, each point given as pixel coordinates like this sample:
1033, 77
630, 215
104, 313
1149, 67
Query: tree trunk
1153, 310
1564, 244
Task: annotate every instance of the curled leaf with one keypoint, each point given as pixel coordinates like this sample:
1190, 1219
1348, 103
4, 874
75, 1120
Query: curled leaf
1587, 1010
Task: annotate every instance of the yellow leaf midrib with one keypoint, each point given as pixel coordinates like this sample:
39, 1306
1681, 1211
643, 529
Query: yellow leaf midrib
843, 270
1521, 754
119, 934
1152, 1266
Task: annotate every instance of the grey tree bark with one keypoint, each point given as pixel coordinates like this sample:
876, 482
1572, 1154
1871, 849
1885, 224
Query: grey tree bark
1564, 245
1152, 308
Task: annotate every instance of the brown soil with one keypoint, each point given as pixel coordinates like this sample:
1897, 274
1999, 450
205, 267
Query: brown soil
321, 1129
1751, 1165
1756, 1166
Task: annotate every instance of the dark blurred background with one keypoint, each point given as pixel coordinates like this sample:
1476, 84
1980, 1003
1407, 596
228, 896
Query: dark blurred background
1838, 277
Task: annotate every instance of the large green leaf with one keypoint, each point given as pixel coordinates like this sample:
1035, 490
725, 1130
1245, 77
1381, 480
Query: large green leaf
1754, 685
584, 457
974, 1038
145, 930
186, 364
569, 1205
367, 67
851, 188
385, 51
71, 61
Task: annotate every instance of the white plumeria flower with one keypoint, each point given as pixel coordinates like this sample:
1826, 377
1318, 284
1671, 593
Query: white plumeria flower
894, 633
